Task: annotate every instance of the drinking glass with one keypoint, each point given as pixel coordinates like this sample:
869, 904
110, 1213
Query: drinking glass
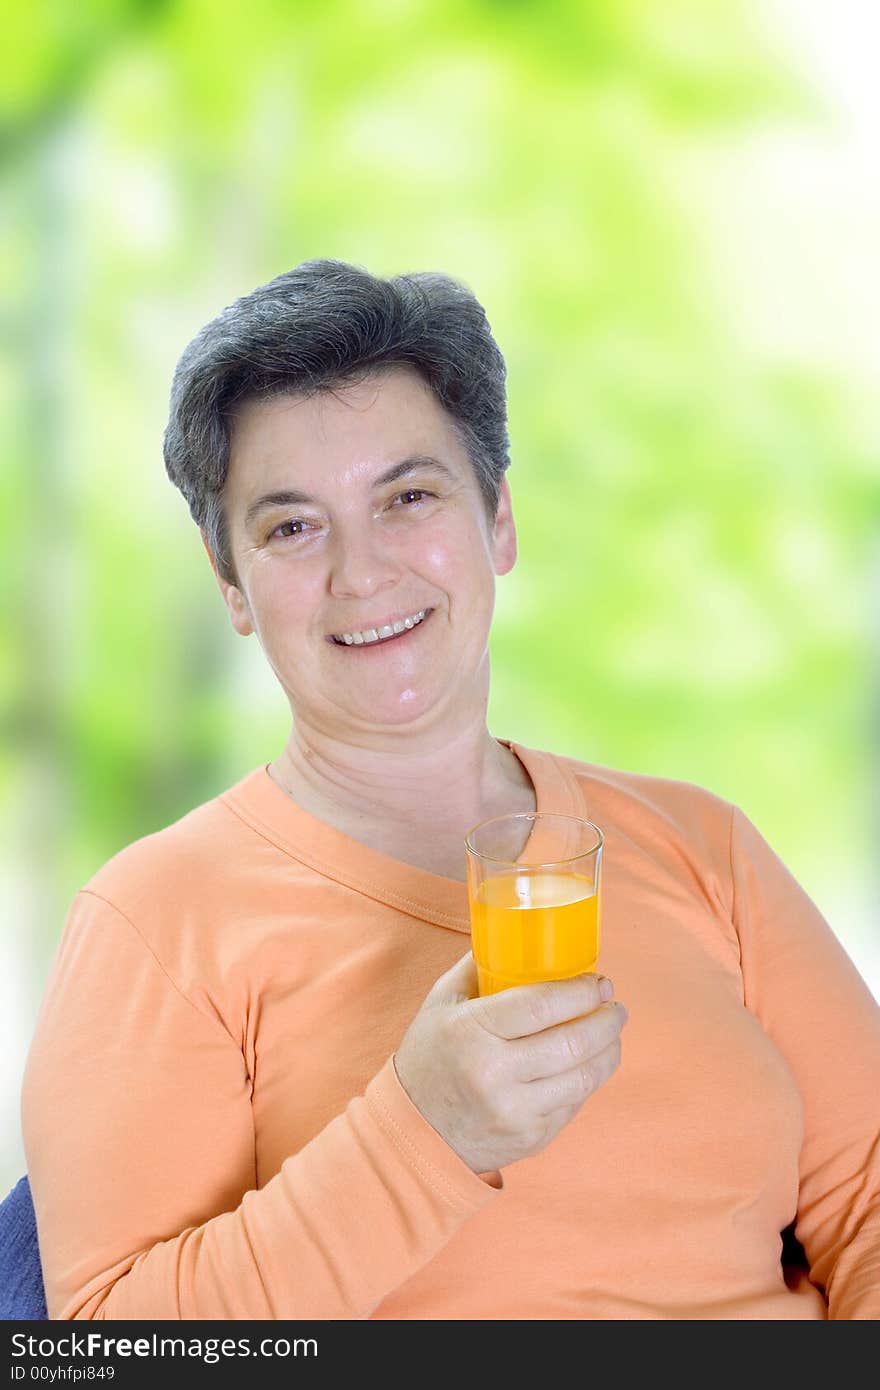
534, 891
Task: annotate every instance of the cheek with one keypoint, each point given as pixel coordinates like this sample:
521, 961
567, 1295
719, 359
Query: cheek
452, 555
283, 595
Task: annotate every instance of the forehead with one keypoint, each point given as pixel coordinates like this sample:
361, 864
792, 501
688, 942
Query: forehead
346, 432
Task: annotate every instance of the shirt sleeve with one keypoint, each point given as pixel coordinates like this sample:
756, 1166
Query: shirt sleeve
139, 1140
814, 1004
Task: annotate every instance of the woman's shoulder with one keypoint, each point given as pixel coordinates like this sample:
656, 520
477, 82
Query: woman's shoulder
176, 861
648, 788
651, 802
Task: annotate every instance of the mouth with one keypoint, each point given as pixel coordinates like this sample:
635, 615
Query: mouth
394, 631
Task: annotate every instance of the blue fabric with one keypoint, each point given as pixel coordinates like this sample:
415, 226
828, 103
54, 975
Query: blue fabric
22, 1297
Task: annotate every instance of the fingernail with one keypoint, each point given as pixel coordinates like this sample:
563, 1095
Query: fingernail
606, 988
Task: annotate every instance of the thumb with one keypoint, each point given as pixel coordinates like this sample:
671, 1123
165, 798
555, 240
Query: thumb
457, 984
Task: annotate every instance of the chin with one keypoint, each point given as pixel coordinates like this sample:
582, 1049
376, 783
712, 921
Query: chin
408, 706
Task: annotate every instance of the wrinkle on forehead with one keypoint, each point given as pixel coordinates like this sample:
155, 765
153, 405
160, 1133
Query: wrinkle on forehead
403, 426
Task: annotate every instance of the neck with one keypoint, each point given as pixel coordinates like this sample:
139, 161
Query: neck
447, 784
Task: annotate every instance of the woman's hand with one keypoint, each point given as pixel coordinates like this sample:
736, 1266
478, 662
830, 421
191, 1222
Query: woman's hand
498, 1077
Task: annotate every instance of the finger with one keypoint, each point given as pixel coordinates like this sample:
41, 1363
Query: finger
571, 1088
526, 1009
459, 982
567, 1045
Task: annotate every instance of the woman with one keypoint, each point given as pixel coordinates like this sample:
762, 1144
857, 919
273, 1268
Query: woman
261, 1085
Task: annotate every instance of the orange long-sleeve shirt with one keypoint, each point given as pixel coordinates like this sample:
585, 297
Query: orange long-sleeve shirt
214, 1127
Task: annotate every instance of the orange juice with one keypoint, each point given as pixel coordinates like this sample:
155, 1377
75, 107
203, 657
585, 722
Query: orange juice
529, 926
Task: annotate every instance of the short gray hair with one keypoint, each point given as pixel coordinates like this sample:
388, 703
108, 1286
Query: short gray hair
321, 325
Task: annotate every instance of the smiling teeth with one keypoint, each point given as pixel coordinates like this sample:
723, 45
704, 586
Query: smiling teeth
372, 634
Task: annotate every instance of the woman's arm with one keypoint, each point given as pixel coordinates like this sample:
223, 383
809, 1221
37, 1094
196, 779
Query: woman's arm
816, 1007
139, 1139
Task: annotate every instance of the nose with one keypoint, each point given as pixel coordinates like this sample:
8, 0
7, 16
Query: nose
361, 565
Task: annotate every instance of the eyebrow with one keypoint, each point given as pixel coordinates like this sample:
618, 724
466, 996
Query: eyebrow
287, 498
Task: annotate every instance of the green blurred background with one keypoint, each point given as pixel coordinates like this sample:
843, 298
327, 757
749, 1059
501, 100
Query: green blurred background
670, 211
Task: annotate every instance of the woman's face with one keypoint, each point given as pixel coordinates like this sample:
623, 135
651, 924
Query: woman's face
326, 542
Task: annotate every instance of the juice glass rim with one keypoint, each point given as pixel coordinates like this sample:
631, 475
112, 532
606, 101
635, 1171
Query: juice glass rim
534, 816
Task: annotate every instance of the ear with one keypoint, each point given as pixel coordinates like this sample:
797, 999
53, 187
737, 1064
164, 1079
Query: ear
504, 532
236, 603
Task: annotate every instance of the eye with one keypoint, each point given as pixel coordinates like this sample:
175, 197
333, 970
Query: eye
412, 496
295, 522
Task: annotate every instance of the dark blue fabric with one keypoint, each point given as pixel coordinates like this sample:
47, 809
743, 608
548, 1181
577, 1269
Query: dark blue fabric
22, 1297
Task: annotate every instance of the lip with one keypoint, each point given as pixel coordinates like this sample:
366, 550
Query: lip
385, 622
387, 641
